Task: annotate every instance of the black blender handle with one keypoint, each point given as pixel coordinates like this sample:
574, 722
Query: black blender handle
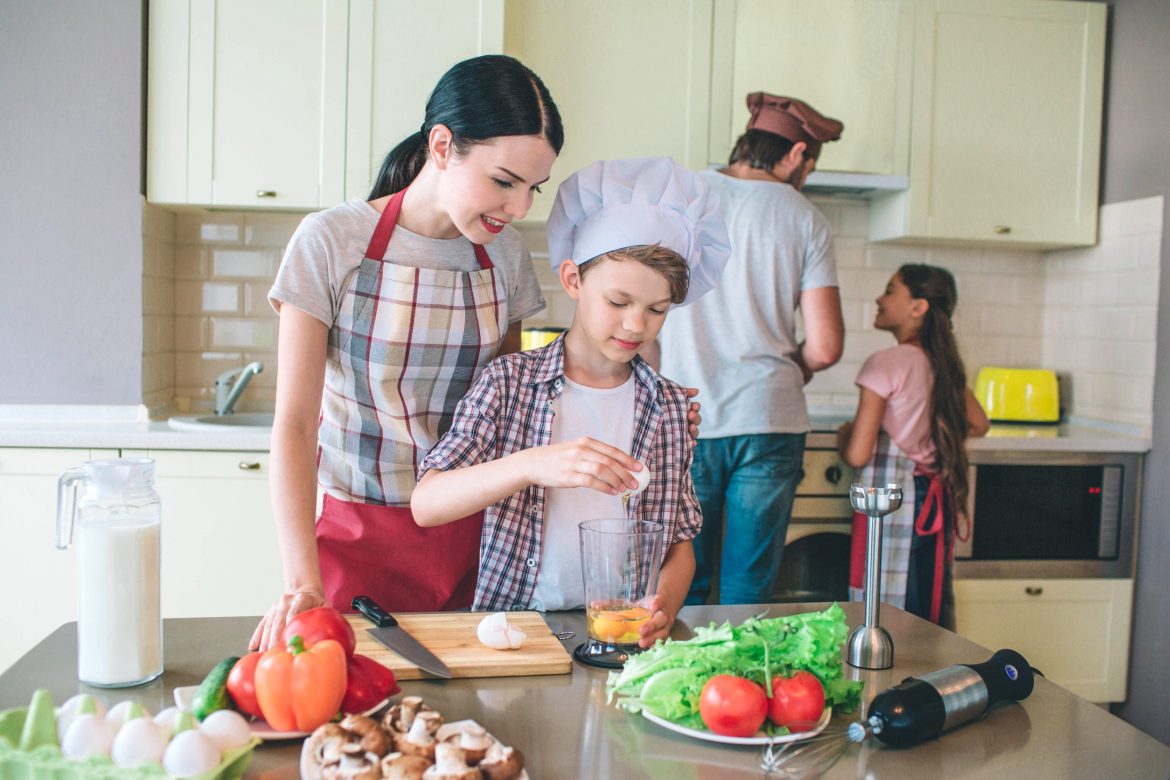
1007, 675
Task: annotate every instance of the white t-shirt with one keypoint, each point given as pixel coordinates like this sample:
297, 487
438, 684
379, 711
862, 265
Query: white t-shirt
324, 253
734, 343
608, 416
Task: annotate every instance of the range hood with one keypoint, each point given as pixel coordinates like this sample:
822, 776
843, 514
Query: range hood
854, 185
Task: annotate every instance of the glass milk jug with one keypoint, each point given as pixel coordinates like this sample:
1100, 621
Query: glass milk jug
112, 508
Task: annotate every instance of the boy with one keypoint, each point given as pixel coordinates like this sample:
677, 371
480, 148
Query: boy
542, 437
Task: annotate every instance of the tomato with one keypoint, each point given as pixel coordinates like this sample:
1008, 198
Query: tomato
797, 701
732, 706
241, 685
314, 625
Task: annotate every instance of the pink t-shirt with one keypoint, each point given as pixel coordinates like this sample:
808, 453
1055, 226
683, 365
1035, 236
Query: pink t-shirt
902, 375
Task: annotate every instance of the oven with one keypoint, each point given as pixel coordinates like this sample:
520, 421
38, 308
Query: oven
1050, 515
815, 566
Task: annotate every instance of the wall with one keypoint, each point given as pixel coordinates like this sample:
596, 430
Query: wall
1137, 165
70, 210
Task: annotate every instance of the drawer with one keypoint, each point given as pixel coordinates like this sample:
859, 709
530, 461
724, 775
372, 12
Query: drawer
825, 474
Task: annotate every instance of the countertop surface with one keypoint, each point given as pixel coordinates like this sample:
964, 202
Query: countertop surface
565, 728
120, 428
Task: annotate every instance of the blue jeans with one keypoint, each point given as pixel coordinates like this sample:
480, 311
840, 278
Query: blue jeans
751, 481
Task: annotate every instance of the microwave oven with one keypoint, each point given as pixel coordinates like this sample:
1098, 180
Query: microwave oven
1050, 515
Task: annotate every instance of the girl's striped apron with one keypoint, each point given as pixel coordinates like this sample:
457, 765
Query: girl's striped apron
406, 346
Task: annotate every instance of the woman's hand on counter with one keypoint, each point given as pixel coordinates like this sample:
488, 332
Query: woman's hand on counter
270, 632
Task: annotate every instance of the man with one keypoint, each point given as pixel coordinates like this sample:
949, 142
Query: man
738, 346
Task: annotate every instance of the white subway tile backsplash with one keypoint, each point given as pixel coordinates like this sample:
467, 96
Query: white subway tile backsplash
228, 332
244, 263
190, 262
220, 298
1140, 217
891, 257
263, 229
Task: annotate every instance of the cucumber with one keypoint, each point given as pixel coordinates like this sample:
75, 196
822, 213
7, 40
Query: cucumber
212, 694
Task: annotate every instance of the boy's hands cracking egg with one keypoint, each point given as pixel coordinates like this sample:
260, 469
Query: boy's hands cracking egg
583, 462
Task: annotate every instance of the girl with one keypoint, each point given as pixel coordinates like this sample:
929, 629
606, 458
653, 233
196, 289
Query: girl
913, 418
388, 309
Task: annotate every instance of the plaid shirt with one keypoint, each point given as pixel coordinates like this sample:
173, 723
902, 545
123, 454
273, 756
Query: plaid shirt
508, 409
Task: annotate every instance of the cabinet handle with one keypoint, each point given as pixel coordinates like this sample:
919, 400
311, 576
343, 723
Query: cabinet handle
265, 193
1002, 230
833, 474
1032, 590
249, 465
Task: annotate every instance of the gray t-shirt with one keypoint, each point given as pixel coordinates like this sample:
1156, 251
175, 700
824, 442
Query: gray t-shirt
324, 253
734, 344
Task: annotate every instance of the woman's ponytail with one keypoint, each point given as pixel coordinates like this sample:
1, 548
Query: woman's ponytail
477, 100
401, 166
948, 419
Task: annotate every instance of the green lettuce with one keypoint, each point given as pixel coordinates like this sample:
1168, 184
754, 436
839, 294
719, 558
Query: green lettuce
666, 679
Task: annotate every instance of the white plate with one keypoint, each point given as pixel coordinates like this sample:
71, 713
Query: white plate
260, 728
760, 737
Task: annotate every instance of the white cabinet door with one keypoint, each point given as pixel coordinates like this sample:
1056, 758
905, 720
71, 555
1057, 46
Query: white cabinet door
1006, 125
1074, 631
631, 79
38, 579
850, 59
398, 49
246, 102
219, 548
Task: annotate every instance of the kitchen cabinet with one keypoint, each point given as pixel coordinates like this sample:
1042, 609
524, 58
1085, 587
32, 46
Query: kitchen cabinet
629, 79
395, 59
1076, 632
38, 578
219, 549
851, 59
1005, 125
246, 102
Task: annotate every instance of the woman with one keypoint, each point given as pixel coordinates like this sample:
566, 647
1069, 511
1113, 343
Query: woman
388, 309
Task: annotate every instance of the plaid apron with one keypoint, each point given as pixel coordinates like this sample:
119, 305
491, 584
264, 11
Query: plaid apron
405, 348
887, 466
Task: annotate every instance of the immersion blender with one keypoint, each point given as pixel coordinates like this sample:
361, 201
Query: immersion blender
920, 708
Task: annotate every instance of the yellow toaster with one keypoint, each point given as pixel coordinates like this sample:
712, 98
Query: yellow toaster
534, 338
1018, 394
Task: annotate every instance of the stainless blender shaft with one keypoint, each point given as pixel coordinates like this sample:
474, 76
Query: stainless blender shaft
870, 646
873, 573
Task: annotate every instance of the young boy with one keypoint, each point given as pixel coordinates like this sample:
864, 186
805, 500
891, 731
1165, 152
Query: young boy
549, 438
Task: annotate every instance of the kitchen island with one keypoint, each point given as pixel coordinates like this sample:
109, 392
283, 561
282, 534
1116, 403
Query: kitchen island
564, 727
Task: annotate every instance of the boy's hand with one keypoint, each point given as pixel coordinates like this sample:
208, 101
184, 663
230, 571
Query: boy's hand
693, 416
659, 624
583, 462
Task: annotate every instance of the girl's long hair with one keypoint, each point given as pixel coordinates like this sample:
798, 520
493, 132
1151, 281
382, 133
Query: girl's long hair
948, 402
477, 100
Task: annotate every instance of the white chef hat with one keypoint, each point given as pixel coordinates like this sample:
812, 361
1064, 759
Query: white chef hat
615, 204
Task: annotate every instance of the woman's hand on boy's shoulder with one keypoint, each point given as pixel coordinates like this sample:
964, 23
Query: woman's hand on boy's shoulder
693, 417
582, 462
659, 624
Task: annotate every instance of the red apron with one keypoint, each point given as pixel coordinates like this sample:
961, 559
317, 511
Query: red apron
370, 548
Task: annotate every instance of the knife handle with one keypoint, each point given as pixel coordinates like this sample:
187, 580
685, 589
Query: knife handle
373, 612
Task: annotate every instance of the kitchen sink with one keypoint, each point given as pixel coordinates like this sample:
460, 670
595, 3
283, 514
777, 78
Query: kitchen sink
223, 422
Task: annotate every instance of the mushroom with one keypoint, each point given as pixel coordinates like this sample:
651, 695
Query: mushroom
420, 740
399, 718
399, 766
450, 764
372, 737
474, 742
501, 763
355, 764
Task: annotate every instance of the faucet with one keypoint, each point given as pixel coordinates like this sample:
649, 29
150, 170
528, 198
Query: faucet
227, 393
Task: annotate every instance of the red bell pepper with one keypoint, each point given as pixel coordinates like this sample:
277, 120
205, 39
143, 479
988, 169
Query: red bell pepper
241, 685
300, 689
369, 684
319, 623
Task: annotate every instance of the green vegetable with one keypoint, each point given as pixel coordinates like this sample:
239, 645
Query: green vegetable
667, 679
212, 694
40, 726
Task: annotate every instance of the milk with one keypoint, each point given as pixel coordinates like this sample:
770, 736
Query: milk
119, 625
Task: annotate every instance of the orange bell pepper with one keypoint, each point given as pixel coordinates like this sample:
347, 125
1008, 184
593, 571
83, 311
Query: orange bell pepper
300, 689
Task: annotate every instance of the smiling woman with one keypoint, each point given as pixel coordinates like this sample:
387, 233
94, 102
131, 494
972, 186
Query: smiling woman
388, 308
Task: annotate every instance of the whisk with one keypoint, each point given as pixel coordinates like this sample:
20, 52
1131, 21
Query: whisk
915, 710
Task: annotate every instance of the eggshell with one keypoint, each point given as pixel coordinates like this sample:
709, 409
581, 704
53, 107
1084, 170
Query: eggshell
166, 719
643, 478
88, 735
496, 632
227, 729
140, 741
190, 753
120, 712
69, 710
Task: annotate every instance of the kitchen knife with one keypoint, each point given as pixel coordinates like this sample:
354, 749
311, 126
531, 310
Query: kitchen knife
395, 637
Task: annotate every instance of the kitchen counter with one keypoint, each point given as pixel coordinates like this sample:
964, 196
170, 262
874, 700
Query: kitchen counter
566, 730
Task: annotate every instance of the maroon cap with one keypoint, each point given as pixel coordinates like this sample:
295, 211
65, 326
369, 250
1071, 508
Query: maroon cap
792, 119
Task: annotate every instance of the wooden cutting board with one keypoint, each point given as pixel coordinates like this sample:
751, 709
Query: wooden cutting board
451, 637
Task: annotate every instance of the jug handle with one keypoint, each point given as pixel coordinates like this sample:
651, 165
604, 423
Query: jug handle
67, 506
